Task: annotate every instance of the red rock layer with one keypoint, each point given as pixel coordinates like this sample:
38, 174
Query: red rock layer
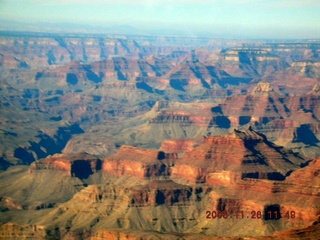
307, 176
165, 192
177, 146
166, 112
137, 162
236, 155
79, 165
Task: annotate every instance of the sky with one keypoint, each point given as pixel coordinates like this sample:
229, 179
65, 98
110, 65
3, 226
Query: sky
234, 18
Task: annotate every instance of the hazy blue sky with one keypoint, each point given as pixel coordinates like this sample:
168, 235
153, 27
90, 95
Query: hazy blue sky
247, 18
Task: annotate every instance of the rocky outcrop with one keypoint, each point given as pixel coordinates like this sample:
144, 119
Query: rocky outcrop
6, 203
167, 118
262, 87
152, 194
262, 102
76, 165
86, 143
224, 159
125, 202
165, 112
141, 163
177, 146
162, 192
307, 176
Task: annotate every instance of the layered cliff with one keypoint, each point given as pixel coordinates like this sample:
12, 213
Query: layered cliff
79, 165
42, 51
192, 74
224, 159
284, 119
177, 146
252, 61
106, 71
142, 163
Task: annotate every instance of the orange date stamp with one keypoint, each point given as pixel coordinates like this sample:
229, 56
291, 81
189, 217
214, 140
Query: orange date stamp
269, 215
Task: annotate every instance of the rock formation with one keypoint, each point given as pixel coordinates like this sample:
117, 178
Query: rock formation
141, 190
224, 159
142, 163
79, 165
177, 146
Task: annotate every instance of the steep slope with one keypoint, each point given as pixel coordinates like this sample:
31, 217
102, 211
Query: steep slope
23, 190
224, 159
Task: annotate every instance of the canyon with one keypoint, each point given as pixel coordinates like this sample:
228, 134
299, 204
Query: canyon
158, 137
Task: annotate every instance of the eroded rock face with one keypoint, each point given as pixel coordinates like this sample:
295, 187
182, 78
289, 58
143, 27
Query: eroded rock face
39, 51
309, 175
219, 160
132, 200
251, 61
106, 72
94, 145
311, 232
236, 154
308, 69
177, 146
6, 203
192, 74
263, 87
280, 117
262, 105
76, 165
142, 163
152, 194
